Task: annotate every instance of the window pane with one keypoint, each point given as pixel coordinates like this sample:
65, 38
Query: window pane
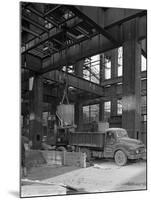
44, 118
119, 107
107, 110
91, 113
143, 104
86, 114
107, 63
94, 112
120, 62
70, 69
91, 69
144, 118
143, 63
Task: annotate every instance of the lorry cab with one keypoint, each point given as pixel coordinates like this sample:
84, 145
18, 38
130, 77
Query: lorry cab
120, 146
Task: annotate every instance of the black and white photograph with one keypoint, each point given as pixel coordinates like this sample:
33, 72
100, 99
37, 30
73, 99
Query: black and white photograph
83, 99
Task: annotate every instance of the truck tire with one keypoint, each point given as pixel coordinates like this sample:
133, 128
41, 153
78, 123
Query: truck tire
120, 158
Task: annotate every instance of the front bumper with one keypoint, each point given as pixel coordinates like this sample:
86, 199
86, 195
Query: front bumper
137, 156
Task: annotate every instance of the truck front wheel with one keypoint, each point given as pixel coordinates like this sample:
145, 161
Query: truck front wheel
120, 158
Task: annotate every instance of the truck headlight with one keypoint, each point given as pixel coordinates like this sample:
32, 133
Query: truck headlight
137, 151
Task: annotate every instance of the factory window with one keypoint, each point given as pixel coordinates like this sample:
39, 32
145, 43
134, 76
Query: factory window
44, 118
144, 118
91, 69
120, 61
68, 69
143, 63
64, 68
94, 112
107, 67
86, 114
91, 113
107, 110
119, 107
31, 82
143, 104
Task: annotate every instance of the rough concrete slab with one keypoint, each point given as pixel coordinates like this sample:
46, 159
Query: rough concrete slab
104, 176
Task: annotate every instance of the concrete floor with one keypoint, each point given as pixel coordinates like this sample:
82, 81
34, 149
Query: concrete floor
103, 176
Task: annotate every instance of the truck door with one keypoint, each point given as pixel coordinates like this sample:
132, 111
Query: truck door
109, 144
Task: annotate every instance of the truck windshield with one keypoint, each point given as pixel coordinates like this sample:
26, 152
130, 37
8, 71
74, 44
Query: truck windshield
121, 133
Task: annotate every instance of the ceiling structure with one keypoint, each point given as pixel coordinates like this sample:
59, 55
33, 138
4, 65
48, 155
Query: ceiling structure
52, 28
53, 36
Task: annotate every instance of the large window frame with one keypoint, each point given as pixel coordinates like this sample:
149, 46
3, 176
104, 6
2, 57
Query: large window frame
120, 62
91, 113
107, 110
91, 69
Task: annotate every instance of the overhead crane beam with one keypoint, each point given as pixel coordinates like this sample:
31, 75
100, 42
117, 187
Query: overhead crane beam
75, 81
115, 16
87, 48
39, 14
52, 10
97, 44
89, 20
50, 35
36, 24
30, 31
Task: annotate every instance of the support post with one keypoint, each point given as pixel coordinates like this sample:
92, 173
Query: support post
131, 117
78, 106
36, 107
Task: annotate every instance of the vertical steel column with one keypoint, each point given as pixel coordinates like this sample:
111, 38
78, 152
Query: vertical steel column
78, 106
114, 66
101, 105
131, 118
36, 108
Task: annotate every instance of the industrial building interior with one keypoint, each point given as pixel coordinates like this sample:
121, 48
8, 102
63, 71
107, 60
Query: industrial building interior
91, 57
83, 68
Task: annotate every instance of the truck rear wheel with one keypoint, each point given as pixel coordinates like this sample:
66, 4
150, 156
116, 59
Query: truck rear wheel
120, 158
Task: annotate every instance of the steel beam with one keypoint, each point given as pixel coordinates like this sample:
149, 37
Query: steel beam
30, 31
50, 35
39, 14
108, 92
111, 16
94, 23
34, 23
74, 81
117, 16
87, 48
31, 62
97, 44
52, 10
